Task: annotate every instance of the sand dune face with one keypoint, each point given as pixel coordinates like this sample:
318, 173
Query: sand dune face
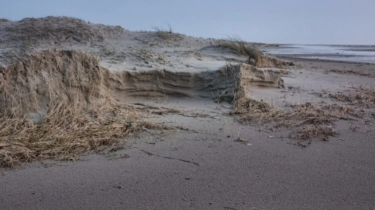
76, 88
137, 63
55, 76
52, 77
54, 87
216, 84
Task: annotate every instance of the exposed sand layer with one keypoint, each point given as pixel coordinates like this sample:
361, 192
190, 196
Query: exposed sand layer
43, 76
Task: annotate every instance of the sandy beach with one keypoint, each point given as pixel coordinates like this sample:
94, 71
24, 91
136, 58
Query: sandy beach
195, 126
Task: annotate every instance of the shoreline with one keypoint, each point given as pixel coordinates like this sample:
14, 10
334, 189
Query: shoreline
319, 60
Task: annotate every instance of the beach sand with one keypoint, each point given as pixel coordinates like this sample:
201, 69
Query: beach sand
210, 158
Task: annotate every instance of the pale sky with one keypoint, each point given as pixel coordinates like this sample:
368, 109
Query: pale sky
269, 21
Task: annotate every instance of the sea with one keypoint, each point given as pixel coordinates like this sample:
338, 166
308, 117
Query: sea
348, 53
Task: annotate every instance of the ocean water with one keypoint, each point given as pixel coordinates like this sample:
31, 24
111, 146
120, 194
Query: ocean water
349, 53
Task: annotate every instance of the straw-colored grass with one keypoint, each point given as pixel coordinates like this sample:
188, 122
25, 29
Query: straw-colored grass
58, 29
251, 110
56, 104
362, 96
3, 20
306, 134
309, 119
352, 72
164, 34
240, 47
167, 34
53, 28
254, 56
66, 131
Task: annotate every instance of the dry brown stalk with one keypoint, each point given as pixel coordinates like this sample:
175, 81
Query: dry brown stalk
56, 104
361, 95
254, 56
306, 134
307, 118
338, 71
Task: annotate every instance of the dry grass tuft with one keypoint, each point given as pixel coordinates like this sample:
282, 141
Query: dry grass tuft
308, 133
251, 110
3, 20
56, 104
307, 118
306, 121
164, 34
298, 115
362, 95
167, 34
254, 56
359, 73
58, 29
66, 131
240, 47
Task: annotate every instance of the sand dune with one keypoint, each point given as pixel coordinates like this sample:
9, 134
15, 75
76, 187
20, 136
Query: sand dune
42, 78
70, 88
96, 66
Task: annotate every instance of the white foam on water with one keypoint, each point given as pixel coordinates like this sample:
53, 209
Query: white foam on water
361, 54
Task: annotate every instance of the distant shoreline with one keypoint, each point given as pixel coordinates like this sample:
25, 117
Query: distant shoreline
293, 58
340, 53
